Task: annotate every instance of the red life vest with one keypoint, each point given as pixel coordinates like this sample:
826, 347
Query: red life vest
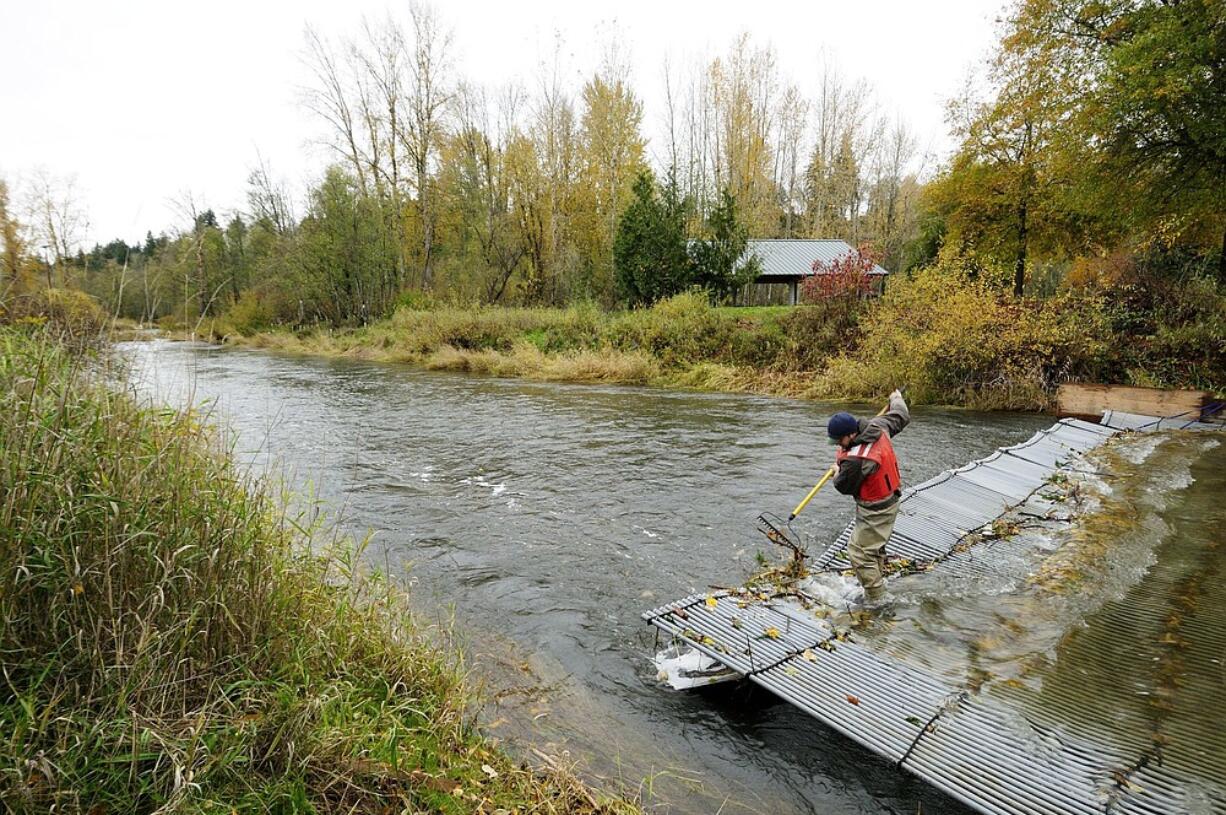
885, 480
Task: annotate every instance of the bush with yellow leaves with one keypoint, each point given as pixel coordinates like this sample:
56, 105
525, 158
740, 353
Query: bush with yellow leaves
71, 315
952, 337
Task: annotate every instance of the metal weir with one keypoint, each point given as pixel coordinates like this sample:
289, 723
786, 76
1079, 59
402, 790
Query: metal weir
990, 751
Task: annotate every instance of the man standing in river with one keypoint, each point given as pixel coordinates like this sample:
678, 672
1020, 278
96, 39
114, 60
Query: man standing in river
868, 471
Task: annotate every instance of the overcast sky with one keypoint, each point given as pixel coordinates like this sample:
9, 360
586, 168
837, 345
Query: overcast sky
144, 100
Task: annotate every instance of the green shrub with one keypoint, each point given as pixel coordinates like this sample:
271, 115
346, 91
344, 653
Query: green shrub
680, 330
251, 314
1171, 330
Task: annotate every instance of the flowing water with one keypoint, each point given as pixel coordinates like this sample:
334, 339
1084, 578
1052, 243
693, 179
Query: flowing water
546, 517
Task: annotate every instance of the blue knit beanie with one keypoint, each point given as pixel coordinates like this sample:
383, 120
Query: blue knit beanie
842, 424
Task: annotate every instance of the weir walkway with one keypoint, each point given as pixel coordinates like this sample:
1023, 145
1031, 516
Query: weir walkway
993, 751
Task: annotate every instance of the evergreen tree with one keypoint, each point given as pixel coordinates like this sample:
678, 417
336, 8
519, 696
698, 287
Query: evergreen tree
717, 260
649, 252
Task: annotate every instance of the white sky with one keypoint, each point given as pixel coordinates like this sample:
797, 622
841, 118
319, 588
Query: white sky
147, 99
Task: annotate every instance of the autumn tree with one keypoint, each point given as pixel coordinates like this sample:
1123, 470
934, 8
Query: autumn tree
1002, 192
832, 175
743, 86
545, 170
611, 152
385, 99
892, 193
792, 120
430, 89
1148, 131
57, 220
344, 264
15, 277
476, 182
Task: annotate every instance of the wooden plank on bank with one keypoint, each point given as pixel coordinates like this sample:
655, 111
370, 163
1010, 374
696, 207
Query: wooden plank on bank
1088, 401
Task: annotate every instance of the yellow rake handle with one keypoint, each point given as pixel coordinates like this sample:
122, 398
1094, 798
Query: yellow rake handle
812, 493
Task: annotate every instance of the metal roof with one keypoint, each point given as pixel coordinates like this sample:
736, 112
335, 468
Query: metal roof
794, 257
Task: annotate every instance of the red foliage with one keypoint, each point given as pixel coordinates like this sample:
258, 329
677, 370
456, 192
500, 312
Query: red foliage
845, 277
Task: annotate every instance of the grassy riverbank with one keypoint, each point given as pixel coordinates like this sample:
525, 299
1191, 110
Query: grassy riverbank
948, 336
680, 343
173, 642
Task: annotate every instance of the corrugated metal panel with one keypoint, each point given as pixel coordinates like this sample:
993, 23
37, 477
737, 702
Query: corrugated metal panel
979, 749
790, 258
879, 703
936, 515
1133, 421
994, 760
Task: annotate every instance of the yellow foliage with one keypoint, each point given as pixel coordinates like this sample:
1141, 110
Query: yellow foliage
72, 314
953, 338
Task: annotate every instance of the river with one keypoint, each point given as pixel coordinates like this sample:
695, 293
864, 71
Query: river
546, 517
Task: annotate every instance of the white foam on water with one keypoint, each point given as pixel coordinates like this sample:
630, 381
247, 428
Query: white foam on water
832, 589
1141, 447
481, 481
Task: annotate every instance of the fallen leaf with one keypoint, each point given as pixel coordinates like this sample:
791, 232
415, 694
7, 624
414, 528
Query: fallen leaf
712, 602
808, 655
772, 633
488, 770
855, 700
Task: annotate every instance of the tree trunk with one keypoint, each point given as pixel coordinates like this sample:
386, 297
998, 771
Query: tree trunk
1019, 266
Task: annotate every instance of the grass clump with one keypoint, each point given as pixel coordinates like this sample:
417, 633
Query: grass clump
678, 340
171, 641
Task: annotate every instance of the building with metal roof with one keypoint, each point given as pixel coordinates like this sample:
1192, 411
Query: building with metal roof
787, 261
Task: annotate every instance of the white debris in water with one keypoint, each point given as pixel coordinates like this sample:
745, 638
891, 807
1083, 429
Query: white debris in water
684, 668
832, 589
